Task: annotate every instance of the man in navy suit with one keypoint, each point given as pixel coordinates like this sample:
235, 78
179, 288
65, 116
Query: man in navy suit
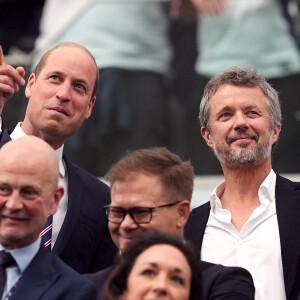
152, 189
29, 192
61, 95
252, 219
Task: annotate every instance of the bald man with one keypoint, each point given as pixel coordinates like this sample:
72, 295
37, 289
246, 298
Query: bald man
29, 192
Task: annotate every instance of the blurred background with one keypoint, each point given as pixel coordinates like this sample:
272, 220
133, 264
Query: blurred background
154, 59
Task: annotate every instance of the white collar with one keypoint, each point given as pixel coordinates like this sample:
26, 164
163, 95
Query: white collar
266, 191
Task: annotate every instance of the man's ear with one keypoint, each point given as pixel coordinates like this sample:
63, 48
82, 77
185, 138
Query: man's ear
183, 212
207, 136
30, 84
56, 199
276, 131
90, 107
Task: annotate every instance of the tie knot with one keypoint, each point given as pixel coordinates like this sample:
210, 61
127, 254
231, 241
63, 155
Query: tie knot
6, 259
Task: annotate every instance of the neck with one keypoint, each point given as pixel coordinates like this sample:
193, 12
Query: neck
245, 179
54, 141
240, 193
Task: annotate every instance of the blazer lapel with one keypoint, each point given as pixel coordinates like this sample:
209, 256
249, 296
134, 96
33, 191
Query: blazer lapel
37, 278
195, 227
5, 137
73, 210
287, 195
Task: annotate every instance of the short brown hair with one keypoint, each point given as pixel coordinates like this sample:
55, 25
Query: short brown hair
177, 177
42, 62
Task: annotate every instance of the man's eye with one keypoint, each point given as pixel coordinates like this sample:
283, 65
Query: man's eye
252, 112
4, 190
80, 86
29, 192
224, 115
54, 77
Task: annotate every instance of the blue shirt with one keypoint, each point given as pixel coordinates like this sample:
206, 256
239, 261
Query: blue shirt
23, 257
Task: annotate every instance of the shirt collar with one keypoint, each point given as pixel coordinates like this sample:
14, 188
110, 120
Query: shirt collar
266, 192
23, 256
18, 132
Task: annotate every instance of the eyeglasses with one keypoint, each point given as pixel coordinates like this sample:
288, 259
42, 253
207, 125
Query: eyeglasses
140, 215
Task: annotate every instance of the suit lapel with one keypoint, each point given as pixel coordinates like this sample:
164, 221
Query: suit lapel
5, 137
37, 278
287, 195
195, 227
73, 210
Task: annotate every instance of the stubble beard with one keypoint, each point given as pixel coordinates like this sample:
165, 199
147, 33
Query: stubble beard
243, 157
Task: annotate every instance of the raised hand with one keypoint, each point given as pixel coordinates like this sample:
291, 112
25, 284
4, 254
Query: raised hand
10, 79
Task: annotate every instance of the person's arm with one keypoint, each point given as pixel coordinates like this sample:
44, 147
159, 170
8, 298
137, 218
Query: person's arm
210, 7
10, 79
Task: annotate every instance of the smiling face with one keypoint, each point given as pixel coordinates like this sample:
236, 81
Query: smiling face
240, 127
28, 192
60, 98
160, 272
143, 190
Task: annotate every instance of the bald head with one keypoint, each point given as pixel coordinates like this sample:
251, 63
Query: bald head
41, 64
31, 151
29, 190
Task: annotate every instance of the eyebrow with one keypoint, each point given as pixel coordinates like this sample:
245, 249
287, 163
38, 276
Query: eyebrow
155, 265
229, 108
79, 80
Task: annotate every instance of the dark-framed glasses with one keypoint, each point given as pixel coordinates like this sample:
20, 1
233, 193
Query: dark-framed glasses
140, 215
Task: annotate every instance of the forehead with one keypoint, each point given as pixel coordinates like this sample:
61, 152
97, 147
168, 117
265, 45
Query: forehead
164, 255
73, 59
140, 190
16, 169
237, 97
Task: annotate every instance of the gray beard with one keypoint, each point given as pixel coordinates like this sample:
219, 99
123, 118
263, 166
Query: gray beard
243, 157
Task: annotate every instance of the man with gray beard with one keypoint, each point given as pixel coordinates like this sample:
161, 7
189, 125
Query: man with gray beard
252, 219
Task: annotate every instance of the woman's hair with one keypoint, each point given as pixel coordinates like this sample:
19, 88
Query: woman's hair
116, 283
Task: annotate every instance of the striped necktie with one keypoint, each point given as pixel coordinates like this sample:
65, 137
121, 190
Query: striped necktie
46, 234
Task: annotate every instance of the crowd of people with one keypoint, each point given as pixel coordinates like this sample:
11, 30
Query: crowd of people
64, 234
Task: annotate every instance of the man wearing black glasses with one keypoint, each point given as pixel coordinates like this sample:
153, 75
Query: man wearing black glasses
152, 189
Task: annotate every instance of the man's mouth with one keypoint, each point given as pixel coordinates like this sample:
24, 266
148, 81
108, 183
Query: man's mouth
59, 110
13, 219
242, 138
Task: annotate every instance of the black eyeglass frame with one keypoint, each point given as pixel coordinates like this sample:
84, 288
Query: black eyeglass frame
126, 211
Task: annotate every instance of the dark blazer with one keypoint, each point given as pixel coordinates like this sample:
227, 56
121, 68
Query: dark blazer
219, 282
48, 278
84, 241
287, 194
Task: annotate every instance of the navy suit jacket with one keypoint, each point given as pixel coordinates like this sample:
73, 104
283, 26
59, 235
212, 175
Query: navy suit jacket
287, 195
219, 282
48, 278
84, 241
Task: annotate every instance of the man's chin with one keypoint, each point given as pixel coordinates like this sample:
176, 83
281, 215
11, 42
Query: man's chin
124, 242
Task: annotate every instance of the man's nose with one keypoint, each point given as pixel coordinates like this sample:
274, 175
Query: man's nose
240, 121
14, 202
64, 91
128, 222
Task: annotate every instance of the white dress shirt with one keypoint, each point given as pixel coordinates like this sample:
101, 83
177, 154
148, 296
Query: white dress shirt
256, 247
59, 216
23, 257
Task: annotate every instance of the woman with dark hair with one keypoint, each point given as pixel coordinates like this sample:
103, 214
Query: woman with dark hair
156, 265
